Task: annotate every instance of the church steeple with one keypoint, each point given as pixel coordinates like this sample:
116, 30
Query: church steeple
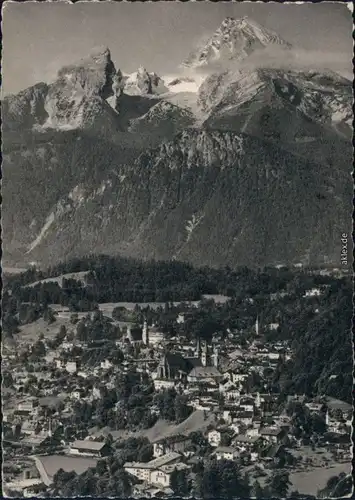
145, 333
215, 357
204, 354
198, 347
257, 326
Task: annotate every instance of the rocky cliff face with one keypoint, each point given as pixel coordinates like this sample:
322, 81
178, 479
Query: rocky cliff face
257, 171
84, 95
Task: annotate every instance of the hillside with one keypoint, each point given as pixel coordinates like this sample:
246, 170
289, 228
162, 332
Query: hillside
237, 192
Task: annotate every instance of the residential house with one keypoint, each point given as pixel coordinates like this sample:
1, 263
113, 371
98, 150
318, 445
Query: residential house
313, 292
67, 346
253, 431
162, 475
272, 434
28, 406
59, 363
160, 384
106, 365
215, 436
180, 319
315, 407
244, 417
26, 487
77, 394
71, 366
245, 442
178, 443
226, 453
143, 470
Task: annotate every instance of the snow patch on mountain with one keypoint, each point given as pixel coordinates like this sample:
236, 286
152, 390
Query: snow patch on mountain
77, 195
192, 224
184, 83
43, 232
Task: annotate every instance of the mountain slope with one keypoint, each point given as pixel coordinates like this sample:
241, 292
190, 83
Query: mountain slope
239, 194
307, 113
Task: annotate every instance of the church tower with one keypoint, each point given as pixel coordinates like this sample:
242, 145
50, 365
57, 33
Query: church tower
145, 333
49, 433
257, 326
204, 354
257, 400
198, 348
215, 357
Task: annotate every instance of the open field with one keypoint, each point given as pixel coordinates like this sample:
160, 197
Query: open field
30, 333
52, 463
58, 279
162, 429
108, 307
311, 481
13, 270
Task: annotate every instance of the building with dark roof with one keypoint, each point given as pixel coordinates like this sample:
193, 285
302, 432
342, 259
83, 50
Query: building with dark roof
134, 334
178, 443
89, 448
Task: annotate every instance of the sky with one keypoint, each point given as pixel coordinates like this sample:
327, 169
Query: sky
40, 38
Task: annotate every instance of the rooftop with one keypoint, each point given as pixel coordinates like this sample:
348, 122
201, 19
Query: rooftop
156, 463
88, 445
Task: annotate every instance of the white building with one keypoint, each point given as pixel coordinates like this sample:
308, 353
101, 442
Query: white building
71, 367
214, 437
106, 365
226, 453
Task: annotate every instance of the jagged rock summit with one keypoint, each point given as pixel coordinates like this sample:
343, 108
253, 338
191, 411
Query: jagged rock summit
83, 95
235, 39
143, 83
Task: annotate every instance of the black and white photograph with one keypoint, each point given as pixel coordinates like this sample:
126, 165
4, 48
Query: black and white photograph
177, 251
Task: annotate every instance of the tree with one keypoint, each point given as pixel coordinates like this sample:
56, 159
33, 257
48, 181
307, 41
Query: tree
39, 349
182, 410
257, 491
74, 318
82, 331
145, 453
279, 484
109, 440
7, 379
179, 482
49, 315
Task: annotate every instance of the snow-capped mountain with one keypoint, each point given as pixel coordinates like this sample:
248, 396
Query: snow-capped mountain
153, 167
324, 98
142, 83
235, 40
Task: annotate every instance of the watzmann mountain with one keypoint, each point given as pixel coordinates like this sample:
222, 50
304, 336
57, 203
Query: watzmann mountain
252, 169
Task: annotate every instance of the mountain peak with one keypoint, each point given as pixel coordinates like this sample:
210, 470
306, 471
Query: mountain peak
235, 39
101, 50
